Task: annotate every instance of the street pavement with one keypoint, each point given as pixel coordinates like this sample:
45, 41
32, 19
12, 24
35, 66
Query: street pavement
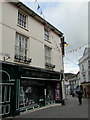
70, 110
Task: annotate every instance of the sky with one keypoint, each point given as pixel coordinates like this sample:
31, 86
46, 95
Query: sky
71, 18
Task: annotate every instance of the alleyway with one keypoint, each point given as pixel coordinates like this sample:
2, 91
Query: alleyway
70, 110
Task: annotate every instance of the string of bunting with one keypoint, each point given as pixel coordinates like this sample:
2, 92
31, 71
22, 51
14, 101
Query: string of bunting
65, 44
76, 49
39, 8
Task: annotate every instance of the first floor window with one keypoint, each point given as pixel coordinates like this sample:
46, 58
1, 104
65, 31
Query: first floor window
21, 50
47, 55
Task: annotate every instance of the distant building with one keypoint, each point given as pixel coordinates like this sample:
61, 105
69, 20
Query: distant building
68, 83
84, 65
71, 82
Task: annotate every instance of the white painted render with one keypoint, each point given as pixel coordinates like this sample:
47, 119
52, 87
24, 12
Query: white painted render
35, 34
83, 61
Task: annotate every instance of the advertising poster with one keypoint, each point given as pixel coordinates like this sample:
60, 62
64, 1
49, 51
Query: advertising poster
57, 92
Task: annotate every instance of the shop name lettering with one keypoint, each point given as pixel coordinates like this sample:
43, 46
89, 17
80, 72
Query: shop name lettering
36, 74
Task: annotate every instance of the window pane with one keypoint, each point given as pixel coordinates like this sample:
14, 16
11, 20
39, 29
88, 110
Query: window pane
21, 46
22, 19
47, 54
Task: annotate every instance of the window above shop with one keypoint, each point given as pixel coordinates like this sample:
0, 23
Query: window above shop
48, 58
22, 19
48, 54
46, 34
21, 49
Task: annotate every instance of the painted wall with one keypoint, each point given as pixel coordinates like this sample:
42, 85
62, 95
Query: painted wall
84, 61
35, 33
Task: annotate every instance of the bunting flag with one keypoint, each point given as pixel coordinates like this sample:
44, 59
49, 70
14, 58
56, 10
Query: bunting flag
35, 1
38, 7
41, 13
74, 50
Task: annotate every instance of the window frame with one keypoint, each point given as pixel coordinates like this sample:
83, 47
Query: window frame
21, 50
46, 34
22, 22
48, 56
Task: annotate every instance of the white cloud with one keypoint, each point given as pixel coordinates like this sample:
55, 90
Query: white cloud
72, 19
70, 68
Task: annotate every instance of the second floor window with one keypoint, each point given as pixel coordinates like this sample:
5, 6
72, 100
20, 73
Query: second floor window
47, 55
82, 67
46, 34
22, 19
21, 50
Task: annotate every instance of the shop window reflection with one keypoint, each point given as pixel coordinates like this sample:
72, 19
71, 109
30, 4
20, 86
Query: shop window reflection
27, 94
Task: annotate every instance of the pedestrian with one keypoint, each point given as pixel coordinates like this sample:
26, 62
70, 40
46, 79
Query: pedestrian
73, 94
79, 94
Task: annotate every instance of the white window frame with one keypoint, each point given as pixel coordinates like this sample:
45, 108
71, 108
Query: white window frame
46, 34
48, 56
21, 46
22, 19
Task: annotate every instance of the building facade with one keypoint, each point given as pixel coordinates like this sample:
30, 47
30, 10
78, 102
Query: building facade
31, 60
72, 82
84, 65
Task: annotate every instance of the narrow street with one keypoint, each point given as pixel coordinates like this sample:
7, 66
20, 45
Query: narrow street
70, 110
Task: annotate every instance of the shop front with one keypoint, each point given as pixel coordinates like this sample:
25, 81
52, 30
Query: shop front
27, 88
86, 89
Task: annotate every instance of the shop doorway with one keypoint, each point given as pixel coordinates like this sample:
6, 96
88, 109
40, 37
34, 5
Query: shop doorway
6, 94
5, 98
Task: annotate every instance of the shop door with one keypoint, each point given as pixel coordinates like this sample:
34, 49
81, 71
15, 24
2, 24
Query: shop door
6, 90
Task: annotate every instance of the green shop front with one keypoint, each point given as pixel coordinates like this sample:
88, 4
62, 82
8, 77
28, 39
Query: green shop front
25, 87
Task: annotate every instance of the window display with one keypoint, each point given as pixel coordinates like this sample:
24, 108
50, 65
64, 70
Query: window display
57, 92
27, 94
50, 93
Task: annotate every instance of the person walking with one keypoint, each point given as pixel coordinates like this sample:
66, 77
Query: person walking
79, 94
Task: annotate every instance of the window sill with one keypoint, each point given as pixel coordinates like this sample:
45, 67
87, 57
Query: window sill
22, 27
22, 60
47, 41
49, 65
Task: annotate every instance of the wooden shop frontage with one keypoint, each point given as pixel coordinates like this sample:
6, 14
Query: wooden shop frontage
25, 87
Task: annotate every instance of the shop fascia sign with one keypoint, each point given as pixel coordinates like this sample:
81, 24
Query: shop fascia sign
35, 73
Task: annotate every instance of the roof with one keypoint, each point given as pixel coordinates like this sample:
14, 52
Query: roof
36, 16
86, 52
69, 76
